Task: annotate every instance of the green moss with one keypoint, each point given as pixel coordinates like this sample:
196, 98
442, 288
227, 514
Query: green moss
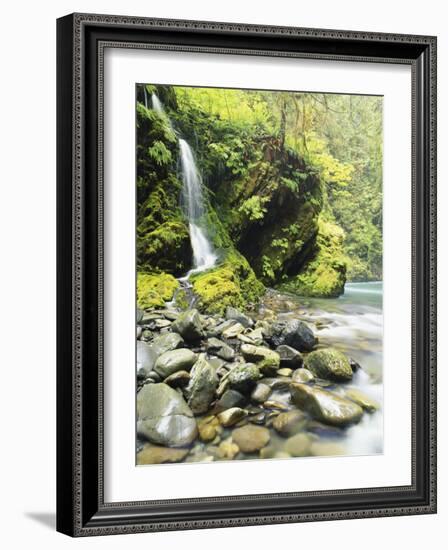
233, 283
163, 240
154, 289
325, 274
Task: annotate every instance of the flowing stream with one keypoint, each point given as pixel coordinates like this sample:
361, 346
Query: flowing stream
192, 202
352, 323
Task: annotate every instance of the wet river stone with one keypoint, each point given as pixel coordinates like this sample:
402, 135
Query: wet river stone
179, 379
325, 406
232, 416
233, 330
289, 423
139, 315
220, 349
167, 342
202, 386
302, 376
289, 357
260, 393
208, 428
189, 325
146, 357
164, 418
160, 455
228, 449
172, 361
293, 333
243, 377
298, 445
235, 315
229, 399
364, 401
251, 438
279, 383
267, 361
329, 364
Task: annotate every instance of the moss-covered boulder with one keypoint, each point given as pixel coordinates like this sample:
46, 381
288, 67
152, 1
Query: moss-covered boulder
272, 213
324, 275
231, 283
329, 363
154, 289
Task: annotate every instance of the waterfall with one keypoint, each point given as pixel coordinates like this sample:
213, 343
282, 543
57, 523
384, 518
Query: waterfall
145, 93
193, 206
192, 202
157, 105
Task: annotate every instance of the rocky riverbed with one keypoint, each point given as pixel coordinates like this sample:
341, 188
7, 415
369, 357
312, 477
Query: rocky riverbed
242, 387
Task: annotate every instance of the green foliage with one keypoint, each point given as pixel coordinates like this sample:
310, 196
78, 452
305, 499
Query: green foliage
253, 208
159, 153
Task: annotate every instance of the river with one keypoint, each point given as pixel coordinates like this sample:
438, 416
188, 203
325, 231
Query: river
352, 323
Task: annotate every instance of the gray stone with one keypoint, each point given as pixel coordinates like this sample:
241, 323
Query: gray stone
232, 416
325, 406
361, 399
298, 445
139, 315
279, 383
302, 376
202, 386
260, 393
243, 377
160, 455
220, 349
146, 358
251, 438
172, 361
163, 416
329, 364
179, 379
234, 314
229, 399
233, 330
189, 325
284, 372
167, 342
289, 423
275, 405
293, 333
267, 361
289, 357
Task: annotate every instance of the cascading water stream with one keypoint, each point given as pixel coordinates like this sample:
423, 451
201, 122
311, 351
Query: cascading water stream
193, 205
204, 256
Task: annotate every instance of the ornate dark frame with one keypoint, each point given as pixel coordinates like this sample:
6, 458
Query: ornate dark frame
81, 39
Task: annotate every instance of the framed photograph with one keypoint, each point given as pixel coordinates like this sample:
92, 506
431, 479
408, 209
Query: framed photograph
246, 274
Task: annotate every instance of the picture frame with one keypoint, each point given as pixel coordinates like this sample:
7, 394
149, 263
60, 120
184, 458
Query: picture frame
81, 507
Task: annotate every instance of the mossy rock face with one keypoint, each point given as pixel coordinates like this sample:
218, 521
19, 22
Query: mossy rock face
154, 289
233, 283
163, 240
330, 364
271, 213
167, 248
325, 274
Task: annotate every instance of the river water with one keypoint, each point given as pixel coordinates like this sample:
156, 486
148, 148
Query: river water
352, 323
